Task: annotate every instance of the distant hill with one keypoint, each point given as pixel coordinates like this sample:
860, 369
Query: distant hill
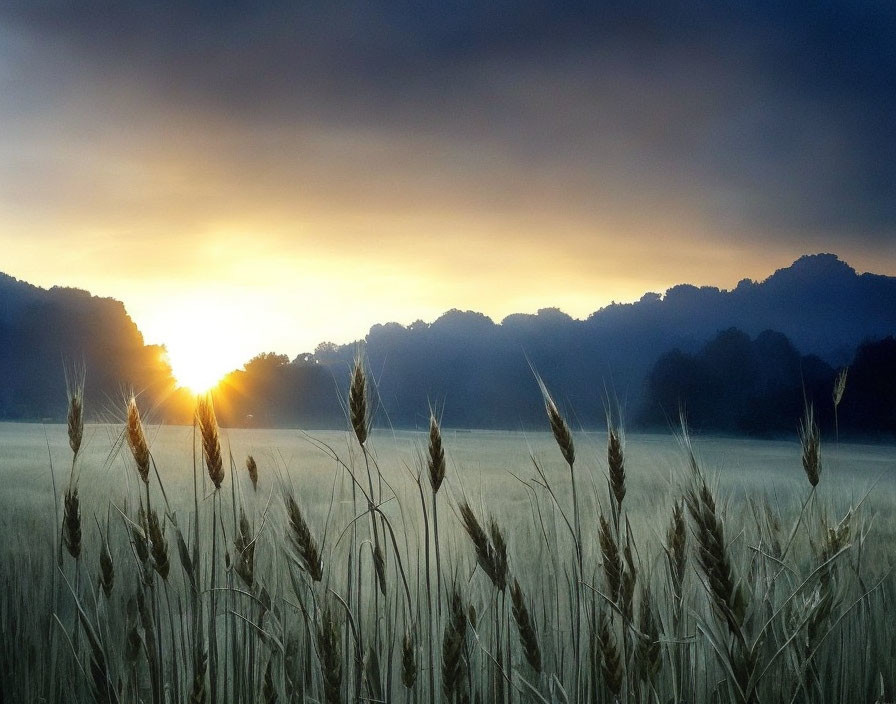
44, 332
475, 370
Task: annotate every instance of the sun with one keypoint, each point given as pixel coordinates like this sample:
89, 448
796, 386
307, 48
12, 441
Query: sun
201, 340
194, 368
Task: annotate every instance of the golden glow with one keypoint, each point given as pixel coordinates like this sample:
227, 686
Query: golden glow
219, 268
193, 371
201, 333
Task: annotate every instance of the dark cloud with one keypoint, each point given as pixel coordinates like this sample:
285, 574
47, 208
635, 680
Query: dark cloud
764, 118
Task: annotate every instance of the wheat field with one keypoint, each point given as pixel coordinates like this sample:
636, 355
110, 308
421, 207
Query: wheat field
198, 564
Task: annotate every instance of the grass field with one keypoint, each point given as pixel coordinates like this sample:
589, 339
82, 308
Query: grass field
544, 567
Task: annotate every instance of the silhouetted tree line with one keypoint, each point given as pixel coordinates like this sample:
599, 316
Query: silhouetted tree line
738, 385
479, 372
272, 392
733, 384
647, 358
48, 334
869, 403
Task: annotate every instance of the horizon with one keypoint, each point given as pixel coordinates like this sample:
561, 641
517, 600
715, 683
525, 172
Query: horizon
208, 380
193, 373
267, 178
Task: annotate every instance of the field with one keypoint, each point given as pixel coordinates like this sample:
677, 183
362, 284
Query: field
544, 567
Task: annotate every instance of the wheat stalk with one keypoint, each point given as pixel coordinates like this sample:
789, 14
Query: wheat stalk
563, 438
676, 549
712, 555
244, 545
629, 578
727, 597
76, 419
158, 544
436, 466
560, 429
528, 636
357, 402
436, 462
611, 562
492, 558
616, 465
211, 443
810, 440
303, 541
839, 390
137, 440
71, 522
252, 469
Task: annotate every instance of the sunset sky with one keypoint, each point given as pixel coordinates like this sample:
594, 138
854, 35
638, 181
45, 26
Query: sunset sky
268, 175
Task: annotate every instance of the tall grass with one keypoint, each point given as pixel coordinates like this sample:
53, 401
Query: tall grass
249, 592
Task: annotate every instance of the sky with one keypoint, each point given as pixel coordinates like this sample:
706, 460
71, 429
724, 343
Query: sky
264, 176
